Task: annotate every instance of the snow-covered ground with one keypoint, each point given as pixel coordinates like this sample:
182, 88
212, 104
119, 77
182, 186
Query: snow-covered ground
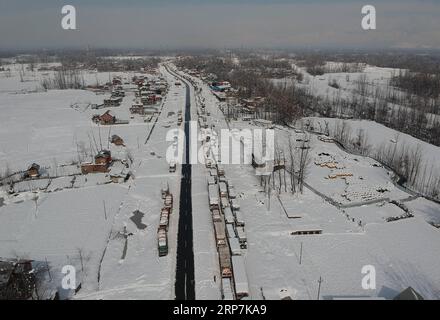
77, 220
139, 273
88, 222
403, 252
378, 137
348, 82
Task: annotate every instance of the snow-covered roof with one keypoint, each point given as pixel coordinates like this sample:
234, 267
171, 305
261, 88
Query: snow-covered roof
240, 277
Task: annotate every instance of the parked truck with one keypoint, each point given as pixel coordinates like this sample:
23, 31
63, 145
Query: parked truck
162, 242
211, 180
221, 171
224, 202
239, 221
169, 202
229, 217
225, 261
216, 217
234, 244
240, 277
227, 292
235, 205
164, 191
213, 196
220, 235
172, 167
230, 230
163, 222
231, 192
241, 237
223, 190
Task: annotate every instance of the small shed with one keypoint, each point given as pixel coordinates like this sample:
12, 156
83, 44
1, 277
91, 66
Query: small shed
103, 157
107, 118
117, 140
33, 171
89, 167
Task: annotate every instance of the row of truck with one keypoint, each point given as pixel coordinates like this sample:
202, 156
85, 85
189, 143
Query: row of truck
229, 234
162, 232
227, 220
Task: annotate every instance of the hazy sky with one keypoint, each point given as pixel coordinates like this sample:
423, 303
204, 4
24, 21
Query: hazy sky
169, 24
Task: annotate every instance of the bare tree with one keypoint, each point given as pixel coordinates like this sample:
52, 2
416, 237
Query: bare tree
304, 162
292, 151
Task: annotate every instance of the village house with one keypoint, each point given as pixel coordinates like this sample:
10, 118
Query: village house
150, 99
144, 88
103, 157
117, 81
118, 93
137, 108
33, 171
105, 119
102, 161
117, 140
113, 102
89, 167
221, 86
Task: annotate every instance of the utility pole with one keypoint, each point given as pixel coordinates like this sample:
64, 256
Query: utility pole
80, 256
268, 194
48, 269
262, 293
319, 286
105, 211
301, 254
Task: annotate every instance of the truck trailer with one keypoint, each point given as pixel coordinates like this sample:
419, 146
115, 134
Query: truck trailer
240, 277
162, 242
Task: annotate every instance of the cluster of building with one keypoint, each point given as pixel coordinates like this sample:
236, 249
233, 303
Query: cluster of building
115, 100
148, 94
245, 108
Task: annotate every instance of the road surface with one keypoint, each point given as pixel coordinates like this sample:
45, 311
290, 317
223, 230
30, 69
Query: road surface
184, 286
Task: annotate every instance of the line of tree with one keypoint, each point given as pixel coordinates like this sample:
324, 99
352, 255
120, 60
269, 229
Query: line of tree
418, 83
407, 161
64, 79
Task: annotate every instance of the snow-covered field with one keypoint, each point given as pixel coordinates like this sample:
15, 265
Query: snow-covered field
403, 252
83, 220
348, 82
379, 137
86, 221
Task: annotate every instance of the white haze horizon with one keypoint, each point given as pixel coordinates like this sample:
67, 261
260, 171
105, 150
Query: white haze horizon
406, 24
